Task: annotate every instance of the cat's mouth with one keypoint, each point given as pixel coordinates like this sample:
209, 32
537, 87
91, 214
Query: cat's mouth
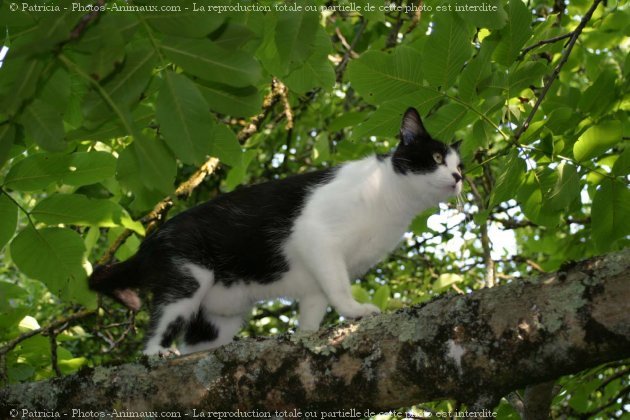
456, 187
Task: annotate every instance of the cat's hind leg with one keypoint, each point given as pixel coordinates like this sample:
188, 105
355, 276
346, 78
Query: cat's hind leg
208, 331
176, 303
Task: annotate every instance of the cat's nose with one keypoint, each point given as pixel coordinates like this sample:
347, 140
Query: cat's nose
457, 177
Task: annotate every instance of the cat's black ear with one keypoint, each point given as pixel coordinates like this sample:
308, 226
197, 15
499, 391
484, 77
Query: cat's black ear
455, 146
412, 128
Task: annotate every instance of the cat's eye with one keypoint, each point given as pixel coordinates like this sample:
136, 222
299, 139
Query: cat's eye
437, 157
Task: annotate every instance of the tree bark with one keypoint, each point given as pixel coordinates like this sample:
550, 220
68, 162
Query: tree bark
474, 348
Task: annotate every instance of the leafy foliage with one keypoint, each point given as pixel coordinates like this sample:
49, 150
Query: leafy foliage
104, 115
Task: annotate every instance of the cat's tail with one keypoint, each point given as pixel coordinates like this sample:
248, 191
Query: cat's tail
117, 281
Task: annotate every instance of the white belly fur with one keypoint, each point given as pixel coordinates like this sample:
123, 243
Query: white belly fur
238, 298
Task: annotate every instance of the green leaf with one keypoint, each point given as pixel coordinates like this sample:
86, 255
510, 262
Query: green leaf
124, 88
238, 173
53, 27
360, 294
386, 120
104, 44
622, 165
514, 34
127, 249
15, 19
97, 36
192, 24
580, 400
90, 238
204, 59
55, 257
447, 48
235, 35
321, 148
8, 219
20, 372
483, 134
476, 70
18, 82
77, 209
43, 124
419, 223
11, 308
317, 70
380, 76
600, 96
34, 351
7, 137
107, 57
372, 14
347, 119
229, 100
295, 37
158, 165
510, 179
533, 133
445, 281
56, 90
38, 171
443, 123
562, 119
225, 145
525, 75
184, 119
141, 116
532, 198
347, 150
381, 297
610, 213
129, 174
469, 11
71, 365
567, 188
597, 139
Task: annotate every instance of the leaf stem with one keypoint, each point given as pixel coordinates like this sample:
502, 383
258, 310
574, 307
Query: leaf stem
26, 213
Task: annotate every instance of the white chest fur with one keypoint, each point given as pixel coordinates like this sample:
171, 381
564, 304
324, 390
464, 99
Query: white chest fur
361, 215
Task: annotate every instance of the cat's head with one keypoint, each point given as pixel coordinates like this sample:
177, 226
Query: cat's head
438, 164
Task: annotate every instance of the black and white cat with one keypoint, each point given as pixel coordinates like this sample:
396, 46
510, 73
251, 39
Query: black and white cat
304, 237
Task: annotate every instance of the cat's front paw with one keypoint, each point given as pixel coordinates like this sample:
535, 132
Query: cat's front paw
359, 310
169, 353
162, 352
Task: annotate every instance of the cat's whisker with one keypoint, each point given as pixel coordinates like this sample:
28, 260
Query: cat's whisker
460, 202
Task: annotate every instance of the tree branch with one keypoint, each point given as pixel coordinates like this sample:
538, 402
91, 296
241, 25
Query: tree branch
544, 42
46, 330
563, 59
341, 67
51, 329
473, 348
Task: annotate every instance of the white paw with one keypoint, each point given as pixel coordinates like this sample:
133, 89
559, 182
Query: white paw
161, 351
358, 310
169, 353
